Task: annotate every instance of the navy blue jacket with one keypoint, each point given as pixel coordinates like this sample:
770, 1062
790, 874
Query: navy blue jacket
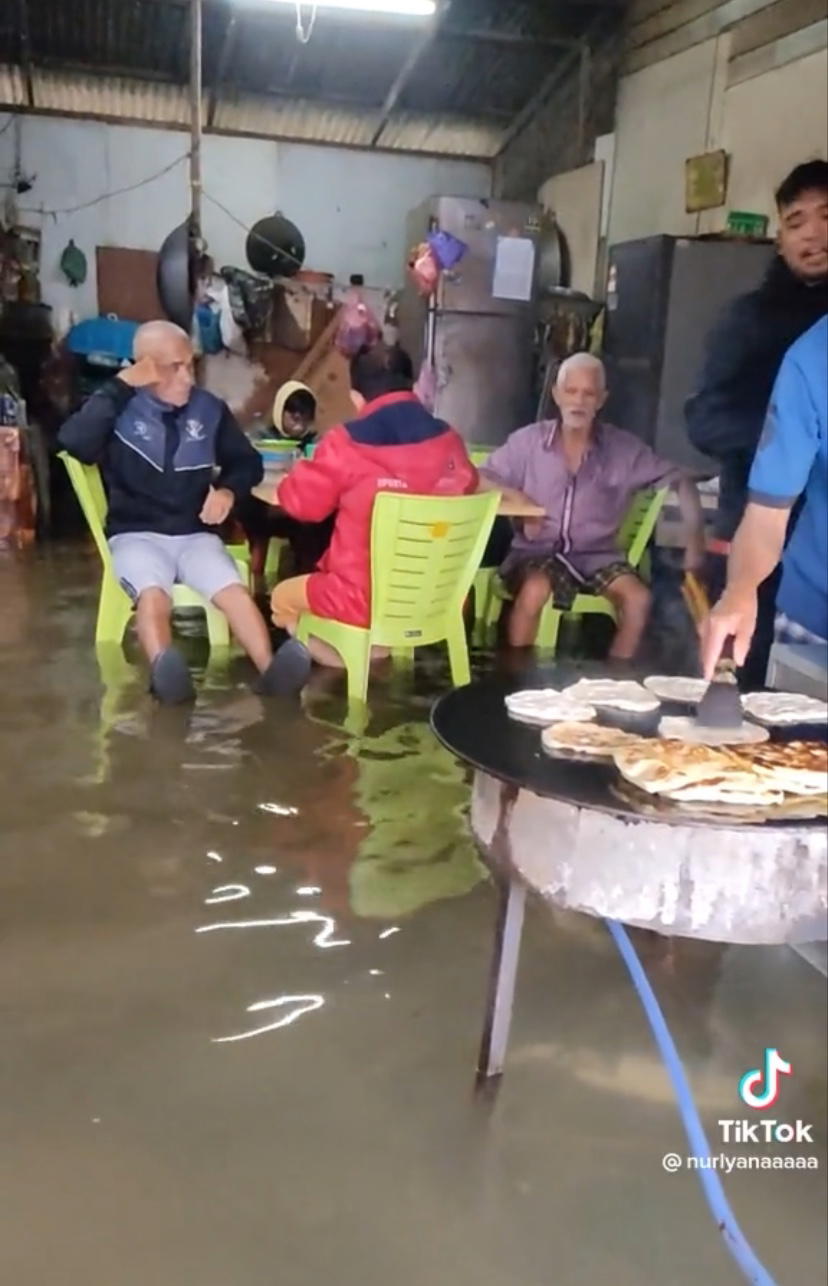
157, 461
744, 352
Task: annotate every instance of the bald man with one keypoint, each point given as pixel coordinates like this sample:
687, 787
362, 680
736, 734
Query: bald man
174, 462
584, 473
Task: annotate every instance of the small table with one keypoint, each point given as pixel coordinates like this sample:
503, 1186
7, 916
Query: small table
558, 827
510, 507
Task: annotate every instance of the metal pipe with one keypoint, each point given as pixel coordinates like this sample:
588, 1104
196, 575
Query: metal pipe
195, 116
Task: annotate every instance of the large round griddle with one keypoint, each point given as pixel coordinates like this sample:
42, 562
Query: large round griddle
473, 723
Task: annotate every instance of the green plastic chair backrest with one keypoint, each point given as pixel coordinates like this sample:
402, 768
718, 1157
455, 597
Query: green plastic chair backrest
425, 551
639, 524
88, 487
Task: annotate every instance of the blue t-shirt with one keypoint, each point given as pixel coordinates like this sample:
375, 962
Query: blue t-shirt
792, 459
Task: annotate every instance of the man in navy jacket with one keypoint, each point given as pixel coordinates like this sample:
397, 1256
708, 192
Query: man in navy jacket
744, 353
159, 440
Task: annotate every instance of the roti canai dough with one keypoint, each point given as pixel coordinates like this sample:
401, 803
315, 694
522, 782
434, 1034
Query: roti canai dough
784, 707
678, 728
542, 706
614, 694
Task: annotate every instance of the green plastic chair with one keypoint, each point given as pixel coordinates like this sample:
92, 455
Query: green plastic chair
633, 539
114, 604
424, 554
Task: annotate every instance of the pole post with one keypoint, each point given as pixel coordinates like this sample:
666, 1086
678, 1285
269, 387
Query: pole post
195, 117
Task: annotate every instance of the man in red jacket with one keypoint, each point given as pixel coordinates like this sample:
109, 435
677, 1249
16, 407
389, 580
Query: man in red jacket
394, 444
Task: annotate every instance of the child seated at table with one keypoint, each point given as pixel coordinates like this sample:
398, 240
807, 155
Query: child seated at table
394, 443
294, 415
294, 420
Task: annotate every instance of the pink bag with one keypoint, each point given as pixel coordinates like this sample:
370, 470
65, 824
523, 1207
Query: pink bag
358, 326
424, 269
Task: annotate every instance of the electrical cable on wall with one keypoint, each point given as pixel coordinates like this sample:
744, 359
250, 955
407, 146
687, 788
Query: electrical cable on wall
105, 196
282, 250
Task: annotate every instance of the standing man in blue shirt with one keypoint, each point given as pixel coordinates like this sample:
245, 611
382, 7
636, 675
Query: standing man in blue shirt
792, 461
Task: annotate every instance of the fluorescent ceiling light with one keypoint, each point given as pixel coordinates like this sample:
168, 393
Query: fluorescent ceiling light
411, 8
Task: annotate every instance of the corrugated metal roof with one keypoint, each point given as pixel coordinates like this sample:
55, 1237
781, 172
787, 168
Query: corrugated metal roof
118, 97
12, 89
128, 59
299, 119
445, 135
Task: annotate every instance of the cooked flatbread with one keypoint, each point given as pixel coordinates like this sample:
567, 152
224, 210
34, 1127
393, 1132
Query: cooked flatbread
676, 687
592, 739
693, 772
798, 767
792, 808
676, 728
779, 708
718, 790
543, 706
615, 694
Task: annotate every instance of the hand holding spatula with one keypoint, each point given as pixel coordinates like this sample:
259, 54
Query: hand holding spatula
721, 705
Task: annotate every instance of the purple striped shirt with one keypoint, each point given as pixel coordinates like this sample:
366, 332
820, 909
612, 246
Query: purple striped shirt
584, 510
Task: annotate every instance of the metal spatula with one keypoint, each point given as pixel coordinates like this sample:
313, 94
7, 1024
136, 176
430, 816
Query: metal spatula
721, 705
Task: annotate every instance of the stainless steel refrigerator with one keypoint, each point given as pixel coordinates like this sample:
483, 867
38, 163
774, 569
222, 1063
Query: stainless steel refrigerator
478, 328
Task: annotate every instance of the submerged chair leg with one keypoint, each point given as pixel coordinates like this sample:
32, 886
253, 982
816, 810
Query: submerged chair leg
484, 598
550, 624
218, 630
357, 658
458, 650
114, 611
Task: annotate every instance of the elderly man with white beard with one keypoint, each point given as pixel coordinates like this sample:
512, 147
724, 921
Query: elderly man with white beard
584, 474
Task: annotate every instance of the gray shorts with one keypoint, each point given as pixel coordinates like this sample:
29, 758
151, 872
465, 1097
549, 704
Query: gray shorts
147, 560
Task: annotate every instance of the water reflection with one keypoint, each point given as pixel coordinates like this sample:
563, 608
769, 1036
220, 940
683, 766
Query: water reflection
300, 1005
227, 893
324, 938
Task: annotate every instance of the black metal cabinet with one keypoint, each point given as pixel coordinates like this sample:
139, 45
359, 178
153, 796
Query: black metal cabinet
663, 296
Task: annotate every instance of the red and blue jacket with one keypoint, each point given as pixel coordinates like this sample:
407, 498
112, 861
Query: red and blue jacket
395, 444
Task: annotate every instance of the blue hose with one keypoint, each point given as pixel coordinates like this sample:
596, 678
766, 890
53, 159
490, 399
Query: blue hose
734, 1238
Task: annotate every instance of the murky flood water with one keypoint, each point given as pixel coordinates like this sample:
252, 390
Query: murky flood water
243, 956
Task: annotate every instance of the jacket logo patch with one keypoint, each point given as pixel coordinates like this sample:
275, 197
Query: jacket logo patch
141, 430
194, 430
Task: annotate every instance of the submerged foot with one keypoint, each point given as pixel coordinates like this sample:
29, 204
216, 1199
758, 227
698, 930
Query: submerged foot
287, 673
170, 679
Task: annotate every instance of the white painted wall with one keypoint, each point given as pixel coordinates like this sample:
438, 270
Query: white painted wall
661, 118
683, 106
349, 205
771, 123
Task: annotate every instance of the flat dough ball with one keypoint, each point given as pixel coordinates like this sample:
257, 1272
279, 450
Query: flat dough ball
542, 706
676, 687
781, 708
614, 694
677, 728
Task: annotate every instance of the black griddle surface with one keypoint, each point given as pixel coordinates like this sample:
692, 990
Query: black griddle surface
472, 722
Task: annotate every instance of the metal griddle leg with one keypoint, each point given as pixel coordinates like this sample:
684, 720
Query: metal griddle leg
501, 996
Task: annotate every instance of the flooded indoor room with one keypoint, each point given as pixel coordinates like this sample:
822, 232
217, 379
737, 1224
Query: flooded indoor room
413, 642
